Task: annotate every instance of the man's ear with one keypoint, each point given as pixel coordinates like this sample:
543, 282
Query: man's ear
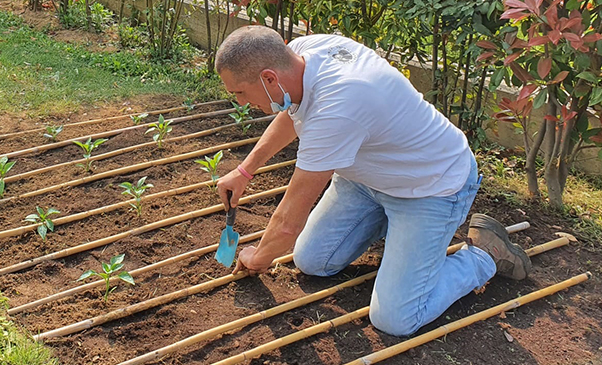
269, 76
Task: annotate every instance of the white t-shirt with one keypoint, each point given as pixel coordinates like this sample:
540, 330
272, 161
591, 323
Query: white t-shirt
362, 118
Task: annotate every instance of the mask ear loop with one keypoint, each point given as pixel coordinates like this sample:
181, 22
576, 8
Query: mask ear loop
266, 90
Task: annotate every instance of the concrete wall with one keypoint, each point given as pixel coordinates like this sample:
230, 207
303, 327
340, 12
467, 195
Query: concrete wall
193, 19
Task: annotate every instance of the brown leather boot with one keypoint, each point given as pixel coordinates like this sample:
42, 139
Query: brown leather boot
490, 235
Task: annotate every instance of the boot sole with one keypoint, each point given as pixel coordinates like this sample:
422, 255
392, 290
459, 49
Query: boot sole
484, 221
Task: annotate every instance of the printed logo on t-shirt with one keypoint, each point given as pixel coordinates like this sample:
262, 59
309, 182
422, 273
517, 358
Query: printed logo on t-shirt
342, 54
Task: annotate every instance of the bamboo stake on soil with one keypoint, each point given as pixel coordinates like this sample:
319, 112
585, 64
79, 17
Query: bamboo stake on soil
406, 345
139, 271
109, 208
136, 231
294, 337
92, 121
464, 322
130, 149
245, 321
132, 168
239, 323
114, 132
151, 303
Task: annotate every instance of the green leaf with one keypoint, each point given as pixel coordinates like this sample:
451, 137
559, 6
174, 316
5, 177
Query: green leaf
52, 211
582, 61
496, 78
86, 275
49, 224
118, 259
589, 76
42, 230
596, 96
2, 184
125, 276
32, 218
540, 99
106, 268
480, 28
116, 267
41, 212
582, 124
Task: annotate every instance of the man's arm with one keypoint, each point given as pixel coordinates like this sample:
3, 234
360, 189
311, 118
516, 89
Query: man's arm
279, 134
287, 222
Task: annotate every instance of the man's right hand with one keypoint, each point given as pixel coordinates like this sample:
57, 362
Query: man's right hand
235, 182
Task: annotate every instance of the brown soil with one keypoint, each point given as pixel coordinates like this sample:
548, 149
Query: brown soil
562, 329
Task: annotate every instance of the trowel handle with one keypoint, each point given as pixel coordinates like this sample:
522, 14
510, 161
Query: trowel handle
231, 213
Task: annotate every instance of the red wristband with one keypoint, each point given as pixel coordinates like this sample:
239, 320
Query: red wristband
244, 172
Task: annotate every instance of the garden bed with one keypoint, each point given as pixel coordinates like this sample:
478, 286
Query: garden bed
565, 328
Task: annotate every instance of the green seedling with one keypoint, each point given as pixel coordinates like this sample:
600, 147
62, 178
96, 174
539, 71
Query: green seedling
52, 131
189, 104
88, 147
138, 118
5, 166
241, 116
136, 190
42, 218
110, 269
210, 165
161, 128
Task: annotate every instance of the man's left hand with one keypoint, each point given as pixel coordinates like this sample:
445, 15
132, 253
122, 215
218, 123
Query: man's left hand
246, 261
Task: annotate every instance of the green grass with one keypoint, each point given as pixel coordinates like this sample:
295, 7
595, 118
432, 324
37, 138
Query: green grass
42, 76
19, 349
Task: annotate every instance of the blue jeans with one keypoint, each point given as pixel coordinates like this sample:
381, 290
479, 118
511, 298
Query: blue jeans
416, 281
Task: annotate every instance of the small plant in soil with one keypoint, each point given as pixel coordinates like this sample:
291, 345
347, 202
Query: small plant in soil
161, 129
138, 118
52, 131
88, 147
241, 116
109, 271
5, 166
136, 190
43, 219
189, 104
210, 165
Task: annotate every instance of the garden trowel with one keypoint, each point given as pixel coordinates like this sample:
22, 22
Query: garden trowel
229, 239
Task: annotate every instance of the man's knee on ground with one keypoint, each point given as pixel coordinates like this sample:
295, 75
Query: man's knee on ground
387, 320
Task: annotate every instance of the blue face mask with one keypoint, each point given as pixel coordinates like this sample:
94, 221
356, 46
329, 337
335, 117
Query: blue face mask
274, 105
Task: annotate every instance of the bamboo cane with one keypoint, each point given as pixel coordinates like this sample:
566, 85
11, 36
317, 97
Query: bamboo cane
154, 355
114, 132
109, 208
151, 303
92, 121
136, 231
129, 149
139, 271
245, 321
294, 337
464, 322
132, 168
406, 345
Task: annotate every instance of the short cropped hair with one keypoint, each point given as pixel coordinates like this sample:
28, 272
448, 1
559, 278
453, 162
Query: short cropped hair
251, 49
